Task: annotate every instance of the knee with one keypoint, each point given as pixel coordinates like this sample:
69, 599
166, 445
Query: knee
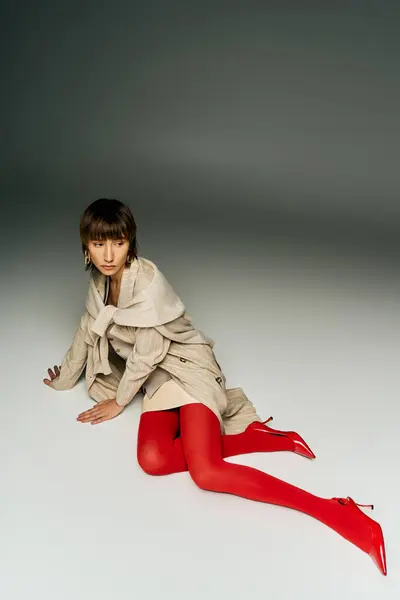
205, 475
151, 458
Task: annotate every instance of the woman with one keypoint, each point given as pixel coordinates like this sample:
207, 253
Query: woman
136, 336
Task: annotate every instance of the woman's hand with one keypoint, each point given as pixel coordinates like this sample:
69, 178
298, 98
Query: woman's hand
52, 375
103, 411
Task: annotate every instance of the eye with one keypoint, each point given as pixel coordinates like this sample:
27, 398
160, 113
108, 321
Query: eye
97, 244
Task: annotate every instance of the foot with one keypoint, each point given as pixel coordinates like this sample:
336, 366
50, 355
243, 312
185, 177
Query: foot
298, 444
362, 531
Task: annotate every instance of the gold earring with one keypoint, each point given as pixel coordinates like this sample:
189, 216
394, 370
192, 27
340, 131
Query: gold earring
87, 258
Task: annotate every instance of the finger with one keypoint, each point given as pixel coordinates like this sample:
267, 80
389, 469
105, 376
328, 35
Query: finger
86, 419
90, 416
95, 408
47, 382
50, 372
57, 370
100, 420
83, 417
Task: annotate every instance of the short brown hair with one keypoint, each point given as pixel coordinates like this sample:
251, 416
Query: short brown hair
105, 219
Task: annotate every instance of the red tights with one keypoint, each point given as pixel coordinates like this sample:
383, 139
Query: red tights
160, 450
201, 450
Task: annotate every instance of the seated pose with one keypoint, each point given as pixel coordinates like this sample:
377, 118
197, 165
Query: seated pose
135, 335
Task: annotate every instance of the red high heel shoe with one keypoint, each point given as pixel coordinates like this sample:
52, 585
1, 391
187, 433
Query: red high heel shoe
375, 546
300, 446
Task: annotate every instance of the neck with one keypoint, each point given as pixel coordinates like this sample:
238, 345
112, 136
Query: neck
117, 278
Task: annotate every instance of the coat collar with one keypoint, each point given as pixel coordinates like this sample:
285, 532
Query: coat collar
102, 284
155, 305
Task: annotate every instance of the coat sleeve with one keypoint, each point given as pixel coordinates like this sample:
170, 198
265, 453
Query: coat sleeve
149, 350
75, 359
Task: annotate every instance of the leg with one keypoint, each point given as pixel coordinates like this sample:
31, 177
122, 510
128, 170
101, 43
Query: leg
159, 450
202, 447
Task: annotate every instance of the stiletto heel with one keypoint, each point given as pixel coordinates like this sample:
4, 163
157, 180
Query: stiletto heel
376, 547
300, 446
346, 501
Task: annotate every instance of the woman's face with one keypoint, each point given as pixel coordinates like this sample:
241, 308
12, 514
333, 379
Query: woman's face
109, 256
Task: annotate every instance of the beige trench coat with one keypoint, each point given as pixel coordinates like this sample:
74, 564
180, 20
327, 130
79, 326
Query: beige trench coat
143, 343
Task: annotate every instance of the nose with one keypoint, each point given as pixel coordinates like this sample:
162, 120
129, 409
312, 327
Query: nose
108, 252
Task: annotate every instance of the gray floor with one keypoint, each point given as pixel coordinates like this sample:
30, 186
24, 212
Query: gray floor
313, 341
